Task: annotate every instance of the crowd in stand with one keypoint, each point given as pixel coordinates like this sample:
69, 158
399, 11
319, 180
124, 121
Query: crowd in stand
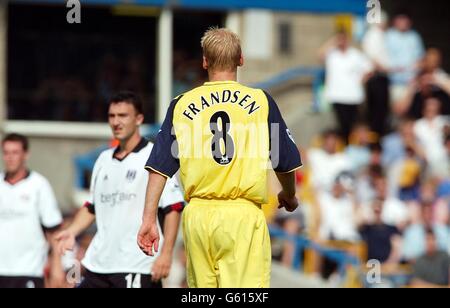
382, 177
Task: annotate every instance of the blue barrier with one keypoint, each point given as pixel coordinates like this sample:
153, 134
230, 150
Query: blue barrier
301, 243
317, 73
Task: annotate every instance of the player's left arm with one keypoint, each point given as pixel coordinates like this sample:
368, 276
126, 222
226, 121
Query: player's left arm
284, 155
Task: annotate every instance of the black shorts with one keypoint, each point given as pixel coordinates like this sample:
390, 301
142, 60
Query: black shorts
116, 281
21, 282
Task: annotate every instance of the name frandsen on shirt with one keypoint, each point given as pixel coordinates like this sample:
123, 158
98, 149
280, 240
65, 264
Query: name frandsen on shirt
226, 96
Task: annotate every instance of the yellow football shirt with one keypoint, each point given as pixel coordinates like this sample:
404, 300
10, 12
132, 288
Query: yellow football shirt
222, 136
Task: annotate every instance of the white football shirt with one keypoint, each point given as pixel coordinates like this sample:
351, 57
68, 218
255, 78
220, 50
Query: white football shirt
118, 189
26, 208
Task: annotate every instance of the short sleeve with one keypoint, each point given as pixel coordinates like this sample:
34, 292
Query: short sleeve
49, 212
284, 153
162, 159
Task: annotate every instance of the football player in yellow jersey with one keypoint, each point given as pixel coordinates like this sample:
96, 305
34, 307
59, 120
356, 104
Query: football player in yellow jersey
222, 137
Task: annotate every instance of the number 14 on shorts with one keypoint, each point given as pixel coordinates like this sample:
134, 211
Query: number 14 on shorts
133, 281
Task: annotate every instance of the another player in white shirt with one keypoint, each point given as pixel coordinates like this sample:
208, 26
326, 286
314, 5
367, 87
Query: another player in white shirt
28, 215
118, 185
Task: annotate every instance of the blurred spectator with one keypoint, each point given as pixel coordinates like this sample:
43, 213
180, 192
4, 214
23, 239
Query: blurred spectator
358, 150
410, 170
346, 68
421, 88
414, 237
326, 162
292, 223
394, 145
444, 190
377, 87
432, 64
338, 210
433, 267
440, 208
401, 150
338, 217
365, 184
383, 241
395, 212
405, 49
376, 154
430, 133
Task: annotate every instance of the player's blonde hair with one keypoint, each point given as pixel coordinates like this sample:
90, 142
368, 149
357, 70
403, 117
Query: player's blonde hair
222, 49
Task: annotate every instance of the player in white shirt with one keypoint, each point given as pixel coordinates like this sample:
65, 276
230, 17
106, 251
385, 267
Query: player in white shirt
28, 215
118, 185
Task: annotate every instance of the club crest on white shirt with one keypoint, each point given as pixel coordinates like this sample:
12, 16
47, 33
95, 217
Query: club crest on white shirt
25, 197
131, 175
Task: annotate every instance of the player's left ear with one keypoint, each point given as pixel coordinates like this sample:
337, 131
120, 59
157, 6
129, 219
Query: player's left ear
140, 119
241, 60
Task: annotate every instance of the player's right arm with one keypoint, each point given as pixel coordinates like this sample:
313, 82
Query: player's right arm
162, 164
66, 238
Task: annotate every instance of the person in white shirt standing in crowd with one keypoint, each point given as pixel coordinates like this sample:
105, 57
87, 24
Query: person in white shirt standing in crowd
377, 87
346, 69
119, 180
29, 214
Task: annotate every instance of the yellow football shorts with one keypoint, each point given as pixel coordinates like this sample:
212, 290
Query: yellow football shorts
227, 244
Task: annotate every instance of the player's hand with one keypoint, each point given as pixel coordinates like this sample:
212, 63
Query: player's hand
65, 240
148, 238
288, 202
161, 267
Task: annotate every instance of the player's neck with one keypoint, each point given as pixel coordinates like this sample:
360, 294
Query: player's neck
126, 146
16, 177
222, 76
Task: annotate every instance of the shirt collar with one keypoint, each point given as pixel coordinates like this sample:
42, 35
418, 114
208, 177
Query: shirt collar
27, 175
142, 144
211, 83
